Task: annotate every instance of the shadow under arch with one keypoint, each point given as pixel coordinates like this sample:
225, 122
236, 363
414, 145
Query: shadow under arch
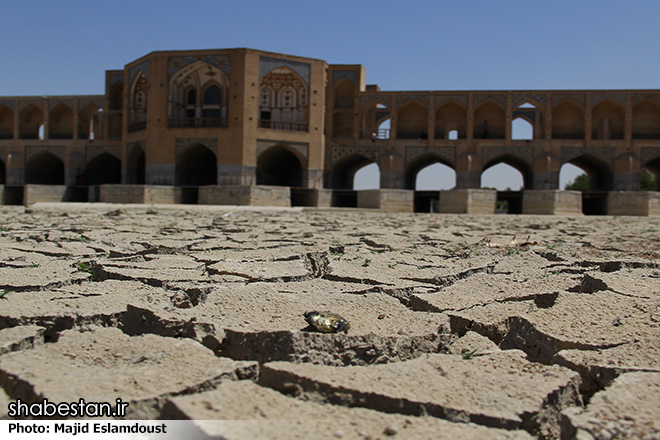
3, 172
103, 169
417, 165
136, 163
44, 168
279, 167
342, 174
196, 165
654, 167
601, 180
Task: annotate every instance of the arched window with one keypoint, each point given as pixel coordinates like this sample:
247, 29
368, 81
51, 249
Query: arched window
213, 95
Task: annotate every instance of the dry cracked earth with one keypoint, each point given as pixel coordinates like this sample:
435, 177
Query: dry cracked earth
471, 327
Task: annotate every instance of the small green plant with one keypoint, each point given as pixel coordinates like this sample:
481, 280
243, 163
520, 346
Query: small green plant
367, 262
4, 229
82, 267
4, 294
469, 354
392, 265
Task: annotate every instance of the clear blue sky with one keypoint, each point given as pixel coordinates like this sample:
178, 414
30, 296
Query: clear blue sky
64, 47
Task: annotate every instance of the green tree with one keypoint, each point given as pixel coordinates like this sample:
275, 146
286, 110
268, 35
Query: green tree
581, 183
647, 182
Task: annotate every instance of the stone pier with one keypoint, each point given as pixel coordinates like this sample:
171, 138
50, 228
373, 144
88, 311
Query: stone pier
391, 200
550, 202
257, 195
633, 203
468, 201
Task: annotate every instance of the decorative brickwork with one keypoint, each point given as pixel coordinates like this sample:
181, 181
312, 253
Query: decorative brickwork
597, 98
367, 100
267, 64
301, 147
182, 143
404, 99
518, 99
649, 153
52, 103
32, 150
9, 103
92, 151
338, 75
339, 152
639, 97
142, 67
605, 153
524, 153
580, 98
440, 100
445, 154
480, 98
222, 62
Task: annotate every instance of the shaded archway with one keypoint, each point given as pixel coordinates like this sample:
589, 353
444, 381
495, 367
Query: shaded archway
135, 169
568, 120
196, 165
607, 120
279, 166
6, 122
343, 172
344, 94
367, 177
653, 167
375, 122
522, 129
88, 122
427, 164
412, 121
518, 164
451, 117
489, 120
103, 169
3, 172
601, 180
31, 119
44, 169
646, 120
60, 122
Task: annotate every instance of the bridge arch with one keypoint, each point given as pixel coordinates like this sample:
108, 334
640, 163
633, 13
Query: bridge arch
600, 172
451, 117
416, 166
44, 168
342, 174
280, 166
104, 168
653, 166
196, 166
525, 168
412, 121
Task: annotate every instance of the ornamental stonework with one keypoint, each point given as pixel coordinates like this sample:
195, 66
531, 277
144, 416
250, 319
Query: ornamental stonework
339, 152
93, 151
446, 154
440, 100
580, 98
648, 154
338, 75
32, 150
404, 99
480, 98
142, 67
488, 153
639, 97
605, 153
367, 100
597, 98
181, 144
301, 147
518, 99
222, 62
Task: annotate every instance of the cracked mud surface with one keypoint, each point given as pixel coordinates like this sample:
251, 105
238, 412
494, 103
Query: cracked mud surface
461, 326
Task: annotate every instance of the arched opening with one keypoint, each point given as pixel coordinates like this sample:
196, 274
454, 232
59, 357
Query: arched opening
509, 175
137, 111
646, 120
412, 121
344, 92
451, 121
522, 129
103, 169
428, 175
196, 166
279, 166
567, 175
600, 178
342, 179
568, 120
607, 120
6, 122
116, 93
283, 100
44, 168
653, 167
60, 123
367, 177
135, 169
88, 122
375, 122
489, 120
342, 124
31, 118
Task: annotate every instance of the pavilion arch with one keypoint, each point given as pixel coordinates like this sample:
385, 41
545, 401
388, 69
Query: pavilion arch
451, 116
283, 100
344, 94
60, 122
88, 122
527, 121
280, 166
6, 122
31, 118
103, 169
412, 121
601, 175
525, 168
417, 165
646, 120
371, 120
607, 120
568, 120
342, 175
44, 168
137, 109
489, 121
198, 96
136, 165
196, 165
116, 95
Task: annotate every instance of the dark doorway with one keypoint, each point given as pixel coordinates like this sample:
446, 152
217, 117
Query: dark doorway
135, 172
104, 168
44, 169
196, 166
278, 166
